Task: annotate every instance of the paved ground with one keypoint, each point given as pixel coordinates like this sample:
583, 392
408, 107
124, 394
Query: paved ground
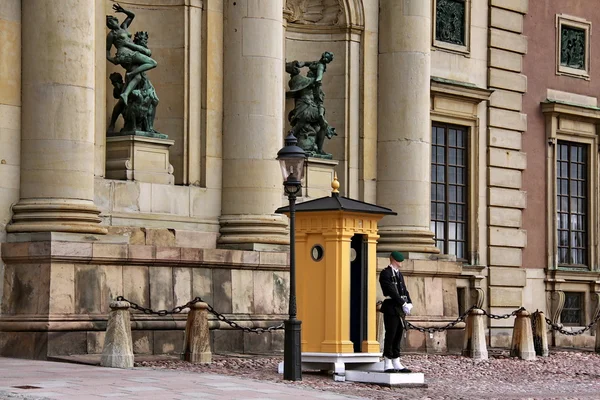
53, 380
563, 375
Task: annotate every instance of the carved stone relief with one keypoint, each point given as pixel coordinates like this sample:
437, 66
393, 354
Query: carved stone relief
315, 12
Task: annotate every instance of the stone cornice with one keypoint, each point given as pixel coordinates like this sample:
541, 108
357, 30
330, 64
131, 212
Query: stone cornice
148, 255
462, 90
578, 111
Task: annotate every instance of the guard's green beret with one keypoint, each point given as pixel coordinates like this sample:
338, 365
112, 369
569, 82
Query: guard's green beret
396, 255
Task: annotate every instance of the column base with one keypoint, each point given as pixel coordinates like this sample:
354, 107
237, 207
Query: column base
413, 239
56, 215
254, 232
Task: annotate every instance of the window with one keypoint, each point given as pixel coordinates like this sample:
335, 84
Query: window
571, 189
449, 190
451, 25
572, 312
572, 176
572, 46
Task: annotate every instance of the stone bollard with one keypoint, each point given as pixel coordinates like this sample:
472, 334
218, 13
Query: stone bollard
597, 347
474, 343
118, 346
522, 340
380, 330
197, 336
540, 334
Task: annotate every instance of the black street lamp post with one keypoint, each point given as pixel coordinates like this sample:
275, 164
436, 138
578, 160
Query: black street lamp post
291, 159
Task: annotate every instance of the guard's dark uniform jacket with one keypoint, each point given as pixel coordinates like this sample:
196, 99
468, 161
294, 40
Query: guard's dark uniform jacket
394, 288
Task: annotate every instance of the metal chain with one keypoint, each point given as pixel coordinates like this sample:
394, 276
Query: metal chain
189, 304
462, 318
504, 316
559, 328
442, 328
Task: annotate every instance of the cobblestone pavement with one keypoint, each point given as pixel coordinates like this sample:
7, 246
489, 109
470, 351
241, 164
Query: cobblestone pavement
563, 375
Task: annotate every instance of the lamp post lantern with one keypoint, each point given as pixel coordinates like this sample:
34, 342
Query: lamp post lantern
291, 159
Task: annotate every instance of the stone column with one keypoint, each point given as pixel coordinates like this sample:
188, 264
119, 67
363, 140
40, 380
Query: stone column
404, 127
252, 125
57, 143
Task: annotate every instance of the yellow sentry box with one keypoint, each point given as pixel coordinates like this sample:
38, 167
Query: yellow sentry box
336, 274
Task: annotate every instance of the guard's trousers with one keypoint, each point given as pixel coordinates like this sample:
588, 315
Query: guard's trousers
393, 336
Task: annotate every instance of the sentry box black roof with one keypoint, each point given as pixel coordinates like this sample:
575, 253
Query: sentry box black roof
337, 202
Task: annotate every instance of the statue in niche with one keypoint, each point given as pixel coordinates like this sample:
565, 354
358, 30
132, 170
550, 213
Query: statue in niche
307, 119
137, 99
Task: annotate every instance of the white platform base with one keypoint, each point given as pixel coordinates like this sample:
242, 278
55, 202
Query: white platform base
358, 367
415, 379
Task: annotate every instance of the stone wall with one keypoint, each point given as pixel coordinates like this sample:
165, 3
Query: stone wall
10, 113
58, 288
506, 161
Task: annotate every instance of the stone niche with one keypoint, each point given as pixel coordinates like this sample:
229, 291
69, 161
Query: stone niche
58, 287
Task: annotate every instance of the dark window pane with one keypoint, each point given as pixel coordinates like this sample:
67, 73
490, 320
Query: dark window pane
441, 192
441, 173
452, 157
451, 174
572, 204
449, 208
441, 158
572, 313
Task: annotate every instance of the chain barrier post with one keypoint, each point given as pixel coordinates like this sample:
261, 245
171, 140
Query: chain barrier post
597, 347
118, 345
522, 340
474, 339
540, 333
197, 336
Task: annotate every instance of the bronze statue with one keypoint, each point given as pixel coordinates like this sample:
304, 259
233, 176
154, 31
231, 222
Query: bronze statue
137, 99
307, 118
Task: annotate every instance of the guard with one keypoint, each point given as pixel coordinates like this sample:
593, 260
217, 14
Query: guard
395, 307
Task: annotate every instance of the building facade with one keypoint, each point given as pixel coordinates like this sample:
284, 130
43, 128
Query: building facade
475, 121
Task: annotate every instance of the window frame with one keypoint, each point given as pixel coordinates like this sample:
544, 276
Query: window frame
586, 159
582, 313
576, 23
460, 103
451, 47
466, 129
577, 124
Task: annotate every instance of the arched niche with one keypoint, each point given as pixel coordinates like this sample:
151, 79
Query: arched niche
325, 13
315, 26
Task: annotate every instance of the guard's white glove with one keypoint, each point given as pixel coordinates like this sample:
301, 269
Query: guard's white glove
406, 308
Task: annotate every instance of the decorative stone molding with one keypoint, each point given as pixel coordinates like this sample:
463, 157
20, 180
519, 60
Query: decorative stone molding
317, 12
456, 103
596, 301
572, 37
576, 123
558, 303
444, 36
323, 15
